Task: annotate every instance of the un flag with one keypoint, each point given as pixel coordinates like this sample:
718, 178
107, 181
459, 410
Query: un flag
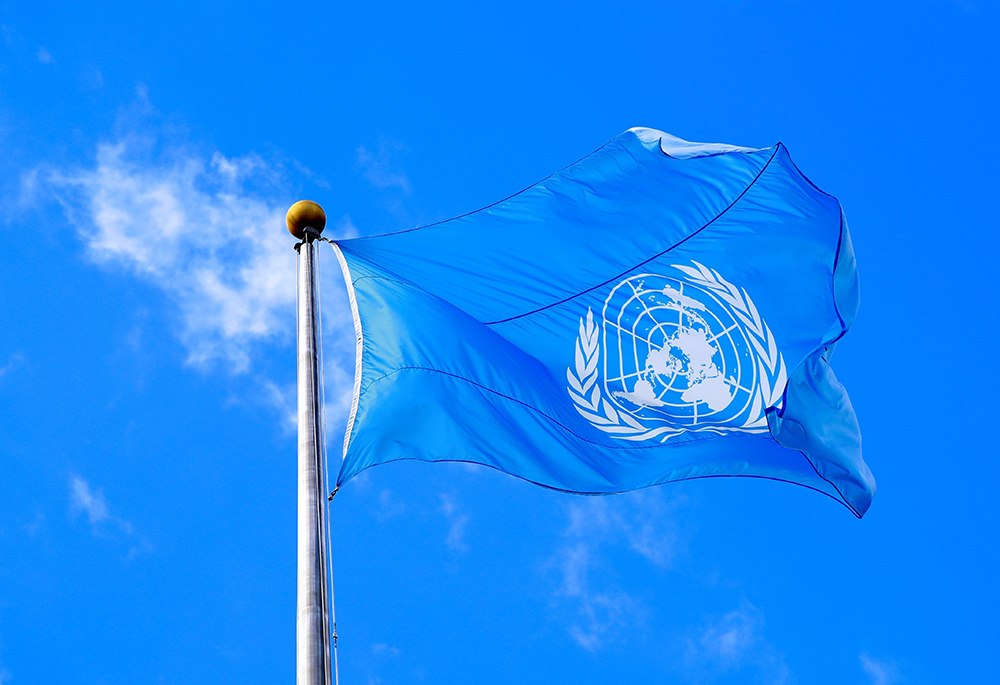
658, 311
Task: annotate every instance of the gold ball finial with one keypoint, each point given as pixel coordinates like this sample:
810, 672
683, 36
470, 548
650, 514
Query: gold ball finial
305, 214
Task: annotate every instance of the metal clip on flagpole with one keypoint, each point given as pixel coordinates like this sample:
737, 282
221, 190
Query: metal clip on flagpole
306, 221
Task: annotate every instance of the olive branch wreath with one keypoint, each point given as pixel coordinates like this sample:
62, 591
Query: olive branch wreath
590, 402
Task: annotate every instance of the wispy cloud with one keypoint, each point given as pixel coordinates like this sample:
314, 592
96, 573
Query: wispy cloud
731, 639
13, 361
600, 613
207, 230
44, 56
382, 167
967, 6
458, 521
185, 223
644, 521
92, 78
382, 648
735, 642
36, 526
283, 400
83, 499
11, 39
880, 671
389, 505
598, 530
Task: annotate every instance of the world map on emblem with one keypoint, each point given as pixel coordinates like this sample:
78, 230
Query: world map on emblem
675, 354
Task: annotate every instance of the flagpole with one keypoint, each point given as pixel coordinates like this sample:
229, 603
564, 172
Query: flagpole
306, 220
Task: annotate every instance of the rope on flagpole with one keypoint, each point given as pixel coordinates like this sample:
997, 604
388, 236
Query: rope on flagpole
326, 468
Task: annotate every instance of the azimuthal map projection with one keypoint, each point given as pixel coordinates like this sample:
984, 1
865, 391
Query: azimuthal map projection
678, 353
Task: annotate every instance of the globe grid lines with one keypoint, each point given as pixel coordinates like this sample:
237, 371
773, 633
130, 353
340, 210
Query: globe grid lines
637, 295
643, 310
758, 349
586, 394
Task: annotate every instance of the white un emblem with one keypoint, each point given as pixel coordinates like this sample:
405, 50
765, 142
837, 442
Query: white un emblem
675, 354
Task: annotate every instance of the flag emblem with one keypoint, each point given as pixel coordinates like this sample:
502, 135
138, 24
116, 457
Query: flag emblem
675, 354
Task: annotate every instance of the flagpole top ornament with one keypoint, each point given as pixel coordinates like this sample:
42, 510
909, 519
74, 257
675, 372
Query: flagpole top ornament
305, 214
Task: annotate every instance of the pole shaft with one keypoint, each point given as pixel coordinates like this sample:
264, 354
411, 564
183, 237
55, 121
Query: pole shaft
312, 638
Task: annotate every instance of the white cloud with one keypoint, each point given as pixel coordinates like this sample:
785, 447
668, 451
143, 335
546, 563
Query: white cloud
382, 168
735, 642
600, 533
385, 649
600, 613
389, 506
643, 521
599, 530
44, 56
732, 638
339, 373
208, 231
879, 671
186, 224
36, 525
11, 39
967, 6
458, 521
83, 499
13, 362
283, 399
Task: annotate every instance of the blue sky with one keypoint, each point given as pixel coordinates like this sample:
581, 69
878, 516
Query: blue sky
147, 452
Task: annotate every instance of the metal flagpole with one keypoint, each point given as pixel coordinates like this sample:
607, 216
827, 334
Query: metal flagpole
306, 221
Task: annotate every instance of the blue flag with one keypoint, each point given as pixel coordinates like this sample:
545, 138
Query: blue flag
658, 311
